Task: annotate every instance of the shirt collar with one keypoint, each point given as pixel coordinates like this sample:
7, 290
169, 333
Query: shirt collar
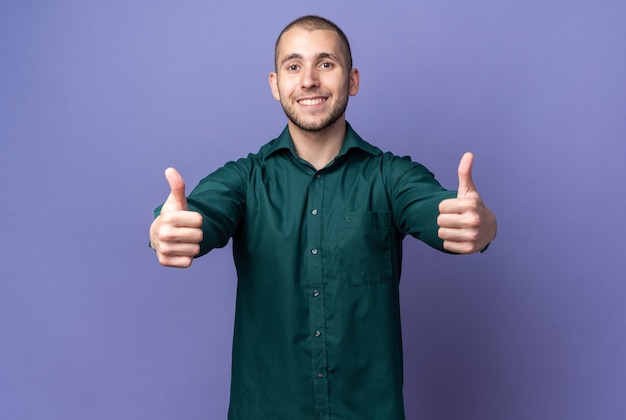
351, 141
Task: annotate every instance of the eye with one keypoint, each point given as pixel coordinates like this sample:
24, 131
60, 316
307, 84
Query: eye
326, 65
293, 67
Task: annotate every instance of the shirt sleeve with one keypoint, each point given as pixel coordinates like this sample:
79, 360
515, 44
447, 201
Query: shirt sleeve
220, 199
415, 196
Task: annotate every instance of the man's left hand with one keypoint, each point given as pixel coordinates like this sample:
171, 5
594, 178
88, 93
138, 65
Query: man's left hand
466, 225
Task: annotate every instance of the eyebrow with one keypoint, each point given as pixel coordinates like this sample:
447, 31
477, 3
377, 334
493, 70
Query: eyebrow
294, 56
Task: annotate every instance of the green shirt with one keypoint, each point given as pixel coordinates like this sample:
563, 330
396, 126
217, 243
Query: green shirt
318, 257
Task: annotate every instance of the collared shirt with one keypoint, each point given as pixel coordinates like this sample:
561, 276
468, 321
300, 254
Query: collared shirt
318, 257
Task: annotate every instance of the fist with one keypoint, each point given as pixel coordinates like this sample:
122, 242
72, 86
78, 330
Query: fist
176, 233
466, 225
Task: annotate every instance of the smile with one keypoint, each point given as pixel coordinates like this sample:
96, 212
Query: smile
312, 101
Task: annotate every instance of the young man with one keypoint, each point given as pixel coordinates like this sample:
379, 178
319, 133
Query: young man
317, 218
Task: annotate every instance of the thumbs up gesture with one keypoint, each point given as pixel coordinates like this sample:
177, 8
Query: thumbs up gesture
466, 225
176, 233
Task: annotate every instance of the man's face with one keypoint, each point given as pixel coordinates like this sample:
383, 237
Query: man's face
311, 81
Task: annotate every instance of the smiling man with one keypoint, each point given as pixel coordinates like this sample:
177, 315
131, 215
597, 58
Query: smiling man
317, 219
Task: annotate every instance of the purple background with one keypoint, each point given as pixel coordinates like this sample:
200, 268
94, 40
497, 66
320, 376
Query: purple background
98, 97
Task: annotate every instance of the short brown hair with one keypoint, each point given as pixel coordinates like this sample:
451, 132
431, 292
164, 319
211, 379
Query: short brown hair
312, 23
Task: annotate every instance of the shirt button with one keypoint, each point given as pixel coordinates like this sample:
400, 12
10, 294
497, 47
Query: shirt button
320, 375
318, 333
316, 293
314, 251
318, 176
314, 212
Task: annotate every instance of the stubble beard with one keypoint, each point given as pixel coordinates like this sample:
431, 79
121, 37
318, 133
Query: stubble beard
314, 127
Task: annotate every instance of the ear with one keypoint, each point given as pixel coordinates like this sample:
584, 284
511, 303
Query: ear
274, 85
355, 79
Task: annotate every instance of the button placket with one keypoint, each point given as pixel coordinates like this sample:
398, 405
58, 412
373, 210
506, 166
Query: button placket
317, 310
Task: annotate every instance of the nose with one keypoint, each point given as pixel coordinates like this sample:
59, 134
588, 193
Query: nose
310, 78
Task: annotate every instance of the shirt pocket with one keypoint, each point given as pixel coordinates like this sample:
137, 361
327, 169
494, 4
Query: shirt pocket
364, 248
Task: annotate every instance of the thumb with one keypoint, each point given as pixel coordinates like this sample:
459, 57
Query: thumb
177, 199
466, 184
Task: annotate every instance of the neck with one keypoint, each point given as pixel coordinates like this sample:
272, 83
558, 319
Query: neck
319, 147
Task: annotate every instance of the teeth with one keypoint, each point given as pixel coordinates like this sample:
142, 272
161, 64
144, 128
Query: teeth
311, 101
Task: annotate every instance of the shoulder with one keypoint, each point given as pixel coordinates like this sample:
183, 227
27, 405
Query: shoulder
394, 168
399, 165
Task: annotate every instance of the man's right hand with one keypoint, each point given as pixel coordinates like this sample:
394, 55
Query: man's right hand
176, 233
